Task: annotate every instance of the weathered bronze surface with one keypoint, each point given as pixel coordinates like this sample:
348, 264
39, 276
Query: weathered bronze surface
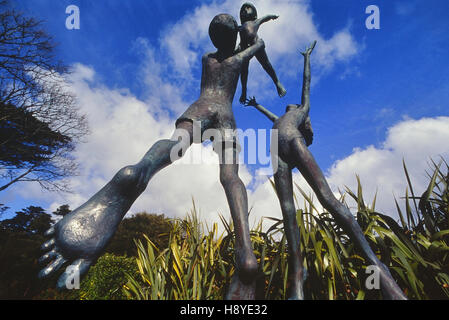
81, 236
248, 36
294, 135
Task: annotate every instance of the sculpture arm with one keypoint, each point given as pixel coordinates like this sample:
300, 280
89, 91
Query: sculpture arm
251, 51
266, 18
266, 112
305, 98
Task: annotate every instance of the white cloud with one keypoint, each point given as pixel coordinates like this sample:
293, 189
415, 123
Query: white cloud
186, 41
123, 127
380, 168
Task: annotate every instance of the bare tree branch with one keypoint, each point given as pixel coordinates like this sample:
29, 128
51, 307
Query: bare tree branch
33, 87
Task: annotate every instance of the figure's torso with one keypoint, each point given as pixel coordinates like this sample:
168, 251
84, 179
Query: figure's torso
219, 78
248, 34
292, 120
218, 86
288, 126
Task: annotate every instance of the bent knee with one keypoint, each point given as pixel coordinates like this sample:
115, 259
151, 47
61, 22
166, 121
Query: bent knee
229, 177
129, 176
248, 269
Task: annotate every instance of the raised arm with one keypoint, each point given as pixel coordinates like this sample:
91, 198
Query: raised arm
266, 18
266, 112
305, 98
250, 52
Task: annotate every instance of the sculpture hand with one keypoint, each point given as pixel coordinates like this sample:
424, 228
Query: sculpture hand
251, 102
309, 50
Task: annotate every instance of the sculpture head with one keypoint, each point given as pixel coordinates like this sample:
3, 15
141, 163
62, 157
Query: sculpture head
223, 32
248, 12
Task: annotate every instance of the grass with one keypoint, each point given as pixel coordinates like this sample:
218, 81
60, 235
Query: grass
198, 264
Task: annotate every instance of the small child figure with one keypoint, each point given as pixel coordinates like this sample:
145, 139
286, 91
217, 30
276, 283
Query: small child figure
248, 37
294, 135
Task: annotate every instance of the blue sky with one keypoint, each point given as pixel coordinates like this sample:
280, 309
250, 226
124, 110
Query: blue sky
368, 83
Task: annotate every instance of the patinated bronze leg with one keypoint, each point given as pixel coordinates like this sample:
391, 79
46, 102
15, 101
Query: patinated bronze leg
81, 236
262, 57
284, 190
243, 284
244, 81
308, 167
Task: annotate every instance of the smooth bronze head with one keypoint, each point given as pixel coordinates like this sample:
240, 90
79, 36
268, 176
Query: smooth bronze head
248, 12
223, 32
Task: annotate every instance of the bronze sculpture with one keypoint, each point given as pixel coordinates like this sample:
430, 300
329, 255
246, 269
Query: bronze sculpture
248, 36
80, 237
294, 135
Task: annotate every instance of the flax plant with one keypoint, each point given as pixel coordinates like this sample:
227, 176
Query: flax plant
199, 263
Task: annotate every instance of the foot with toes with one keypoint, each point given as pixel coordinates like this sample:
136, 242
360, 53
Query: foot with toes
81, 236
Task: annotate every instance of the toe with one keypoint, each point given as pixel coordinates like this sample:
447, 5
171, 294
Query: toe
50, 231
49, 244
49, 255
52, 267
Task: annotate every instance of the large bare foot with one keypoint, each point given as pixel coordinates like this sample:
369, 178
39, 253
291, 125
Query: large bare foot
81, 236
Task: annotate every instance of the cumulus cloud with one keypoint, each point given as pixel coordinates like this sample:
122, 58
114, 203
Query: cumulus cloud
187, 40
380, 168
124, 127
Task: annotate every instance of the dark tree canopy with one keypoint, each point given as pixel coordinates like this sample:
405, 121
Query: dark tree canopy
156, 227
31, 220
62, 210
3, 209
39, 121
27, 142
20, 241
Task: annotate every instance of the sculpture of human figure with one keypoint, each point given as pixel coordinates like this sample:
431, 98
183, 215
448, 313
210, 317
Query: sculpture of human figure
248, 36
81, 236
294, 134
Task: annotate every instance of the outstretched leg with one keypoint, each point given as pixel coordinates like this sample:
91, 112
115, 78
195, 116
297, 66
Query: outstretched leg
81, 236
244, 81
262, 57
243, 284
308, 167
284, 190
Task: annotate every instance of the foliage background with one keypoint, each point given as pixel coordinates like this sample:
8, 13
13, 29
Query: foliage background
184, 259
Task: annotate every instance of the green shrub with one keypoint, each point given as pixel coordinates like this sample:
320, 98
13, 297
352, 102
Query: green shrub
105, 280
